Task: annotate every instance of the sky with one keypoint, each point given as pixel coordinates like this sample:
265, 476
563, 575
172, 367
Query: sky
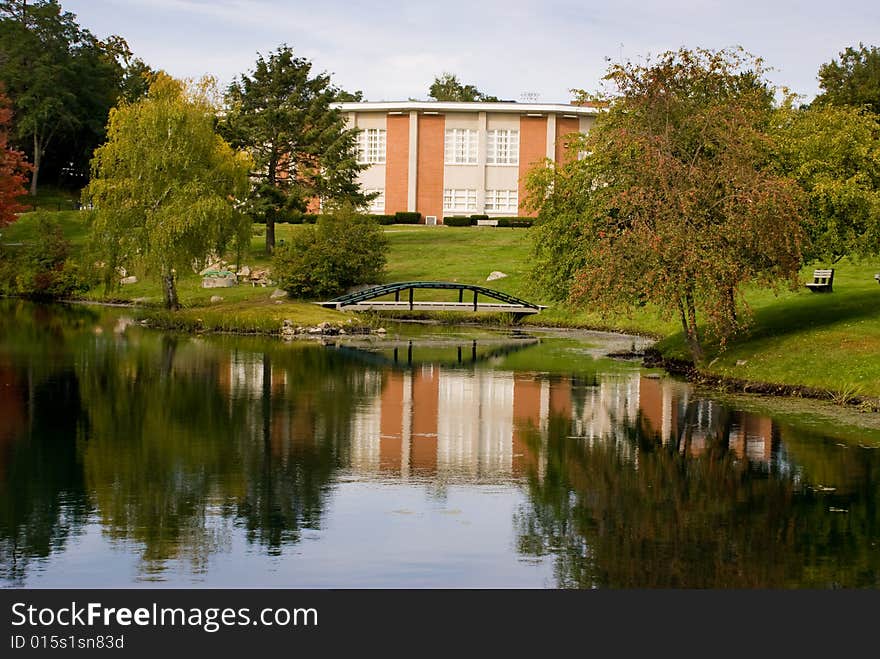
511, 49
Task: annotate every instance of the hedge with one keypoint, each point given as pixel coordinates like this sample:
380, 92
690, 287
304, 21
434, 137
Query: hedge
458, 221
524, 222
405, 217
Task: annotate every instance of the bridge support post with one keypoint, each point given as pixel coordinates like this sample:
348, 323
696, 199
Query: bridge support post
475, 300
411, 299
461, 295
397, 295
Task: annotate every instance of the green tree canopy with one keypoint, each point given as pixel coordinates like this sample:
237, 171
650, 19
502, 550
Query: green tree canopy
853, 79
672, 202
63, 82
834, 154
166, 188
447, 87
285, 116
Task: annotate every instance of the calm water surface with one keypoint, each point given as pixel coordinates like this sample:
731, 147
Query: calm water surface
436, 457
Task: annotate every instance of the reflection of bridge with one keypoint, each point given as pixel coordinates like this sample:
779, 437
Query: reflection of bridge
367, 299
440, 352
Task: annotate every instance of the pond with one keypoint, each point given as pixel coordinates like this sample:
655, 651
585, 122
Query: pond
431, 457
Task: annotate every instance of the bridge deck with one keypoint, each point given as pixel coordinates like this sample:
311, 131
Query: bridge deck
391, 305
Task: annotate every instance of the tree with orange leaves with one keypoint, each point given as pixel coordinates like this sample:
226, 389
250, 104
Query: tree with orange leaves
13, 168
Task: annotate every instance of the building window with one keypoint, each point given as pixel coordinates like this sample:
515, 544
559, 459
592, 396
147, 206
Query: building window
502, 147
501, 201
461, 146
459, 200
377, 203
371, 146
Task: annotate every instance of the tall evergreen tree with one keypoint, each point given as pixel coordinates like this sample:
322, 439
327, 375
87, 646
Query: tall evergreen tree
303, 151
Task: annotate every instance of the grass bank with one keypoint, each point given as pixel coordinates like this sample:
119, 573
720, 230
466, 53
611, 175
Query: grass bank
828, 344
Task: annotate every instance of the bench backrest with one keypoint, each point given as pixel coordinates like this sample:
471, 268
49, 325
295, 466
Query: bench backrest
823, 274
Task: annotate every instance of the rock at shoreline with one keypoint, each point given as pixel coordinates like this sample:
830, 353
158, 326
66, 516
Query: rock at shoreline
278, 293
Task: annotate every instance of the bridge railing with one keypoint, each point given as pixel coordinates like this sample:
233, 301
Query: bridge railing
397, 287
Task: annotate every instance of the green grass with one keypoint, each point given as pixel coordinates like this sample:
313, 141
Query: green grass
51, 199
73, 224
246, 315
822, 340
827, 341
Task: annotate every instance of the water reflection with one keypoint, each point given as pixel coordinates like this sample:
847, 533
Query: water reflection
180, 449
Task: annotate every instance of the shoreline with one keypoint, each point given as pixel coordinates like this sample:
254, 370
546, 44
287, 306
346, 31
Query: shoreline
354, 326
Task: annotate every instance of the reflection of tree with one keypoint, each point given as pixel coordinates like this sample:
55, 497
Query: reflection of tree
42, 498
172, 451
149, 432
304, 437
159, 448
42, 495
627, 513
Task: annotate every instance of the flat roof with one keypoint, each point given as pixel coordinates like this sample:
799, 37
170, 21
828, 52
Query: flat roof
447, 106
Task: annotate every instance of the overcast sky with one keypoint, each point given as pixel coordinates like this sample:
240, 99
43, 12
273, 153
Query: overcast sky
393, 50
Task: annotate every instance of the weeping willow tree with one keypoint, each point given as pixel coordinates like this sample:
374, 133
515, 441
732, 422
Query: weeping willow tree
165, 187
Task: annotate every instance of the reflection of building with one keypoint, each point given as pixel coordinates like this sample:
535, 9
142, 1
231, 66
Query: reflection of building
483, 424
751, 437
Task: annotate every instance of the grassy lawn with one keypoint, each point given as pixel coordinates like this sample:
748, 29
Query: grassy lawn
823, 340
829, 341
49, 198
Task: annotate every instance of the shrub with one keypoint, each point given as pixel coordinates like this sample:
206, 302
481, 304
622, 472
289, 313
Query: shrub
457, 221
340, 251
406, 217
383, 219
42, 268
524, 222
476, 218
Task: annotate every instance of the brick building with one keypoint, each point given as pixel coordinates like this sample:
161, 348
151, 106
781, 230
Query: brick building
440, 158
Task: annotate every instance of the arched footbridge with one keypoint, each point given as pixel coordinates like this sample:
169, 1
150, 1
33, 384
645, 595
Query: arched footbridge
404, 299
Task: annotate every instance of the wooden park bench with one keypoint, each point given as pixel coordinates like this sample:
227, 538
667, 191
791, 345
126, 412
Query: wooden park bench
877, 277
822, 281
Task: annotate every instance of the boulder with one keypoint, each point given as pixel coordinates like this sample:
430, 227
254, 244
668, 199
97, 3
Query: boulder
216, 298
278, 293
495, 274
128, 280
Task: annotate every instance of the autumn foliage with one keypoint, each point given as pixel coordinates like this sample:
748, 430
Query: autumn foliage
13, 168
672, 202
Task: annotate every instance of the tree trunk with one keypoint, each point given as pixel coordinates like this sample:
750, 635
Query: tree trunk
270, 234
270, 213
36, 166
169, 290
731, 321
693, 336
